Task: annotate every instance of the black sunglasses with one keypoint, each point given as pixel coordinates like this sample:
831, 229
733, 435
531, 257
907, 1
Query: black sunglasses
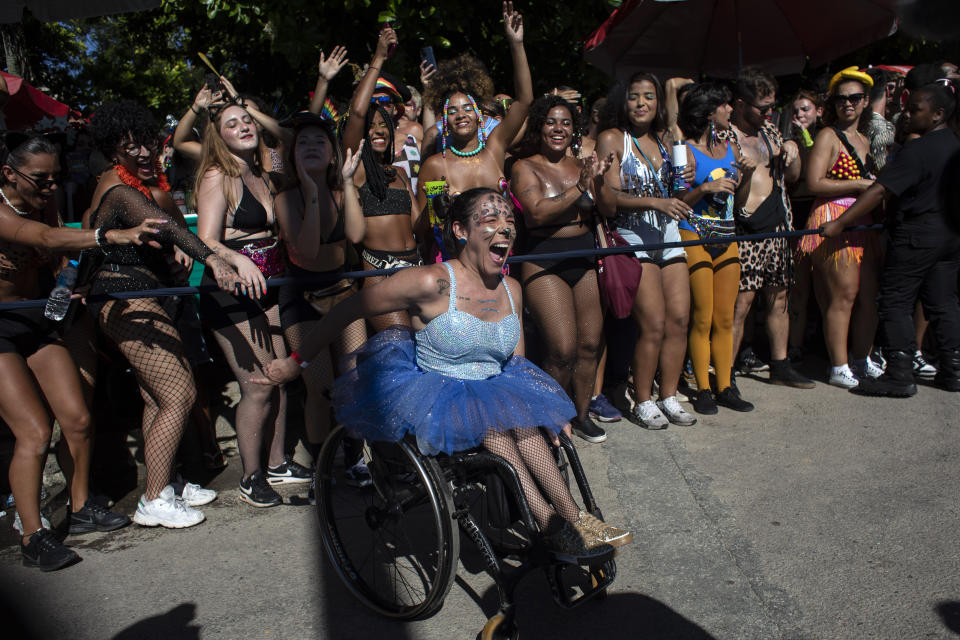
763, 110
854, 98
38, 184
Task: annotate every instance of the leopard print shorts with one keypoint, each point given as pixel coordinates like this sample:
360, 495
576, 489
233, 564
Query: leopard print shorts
766, 263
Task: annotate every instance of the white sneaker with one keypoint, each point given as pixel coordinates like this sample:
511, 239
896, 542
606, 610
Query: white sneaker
19, 525
866, 369
196, 496
648, 416
167, 510
844, 378
674, 412
922, 368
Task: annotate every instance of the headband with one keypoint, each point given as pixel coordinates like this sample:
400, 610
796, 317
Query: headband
850, 73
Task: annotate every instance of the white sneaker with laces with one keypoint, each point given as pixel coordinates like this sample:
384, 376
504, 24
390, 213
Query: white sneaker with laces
649, 416
167, 510
844, 378
867, 368
674, 412
922, 368
196, 496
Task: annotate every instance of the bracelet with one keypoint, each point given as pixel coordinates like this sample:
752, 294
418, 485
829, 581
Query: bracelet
100, 236
581, 190
195, 112
300, 361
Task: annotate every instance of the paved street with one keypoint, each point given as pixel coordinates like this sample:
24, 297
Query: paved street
820, 515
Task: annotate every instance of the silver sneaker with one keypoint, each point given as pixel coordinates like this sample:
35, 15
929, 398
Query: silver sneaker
674, 412
648, 415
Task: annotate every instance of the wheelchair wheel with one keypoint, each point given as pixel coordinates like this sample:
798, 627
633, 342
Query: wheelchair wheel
393, 543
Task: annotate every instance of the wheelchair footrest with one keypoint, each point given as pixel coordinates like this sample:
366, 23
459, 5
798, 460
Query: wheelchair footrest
574, 584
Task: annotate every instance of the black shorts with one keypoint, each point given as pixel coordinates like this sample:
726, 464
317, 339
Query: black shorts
26, 331
571, 270
312, 296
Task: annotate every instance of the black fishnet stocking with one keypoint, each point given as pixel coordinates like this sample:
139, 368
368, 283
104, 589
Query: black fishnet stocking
527, 451
571, 327
247, 345
149, 340
387, 320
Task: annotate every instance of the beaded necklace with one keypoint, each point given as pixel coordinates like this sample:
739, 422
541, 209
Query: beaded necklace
10, 204
445, 131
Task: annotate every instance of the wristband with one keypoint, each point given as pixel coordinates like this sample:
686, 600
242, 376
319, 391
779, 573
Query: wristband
300, 361
100, 236
581, 190
195, 112
807, 139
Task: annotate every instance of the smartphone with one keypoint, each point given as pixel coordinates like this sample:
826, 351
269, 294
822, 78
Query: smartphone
426, 54
213, 83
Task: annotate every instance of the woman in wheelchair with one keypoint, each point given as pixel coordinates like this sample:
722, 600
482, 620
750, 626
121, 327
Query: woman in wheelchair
458, 377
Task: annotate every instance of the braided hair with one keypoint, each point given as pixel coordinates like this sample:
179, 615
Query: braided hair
378, 166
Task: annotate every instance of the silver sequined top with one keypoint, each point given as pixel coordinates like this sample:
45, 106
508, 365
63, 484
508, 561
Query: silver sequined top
460, 345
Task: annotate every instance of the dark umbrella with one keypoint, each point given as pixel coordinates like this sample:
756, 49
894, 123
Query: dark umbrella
55, 10
719, 37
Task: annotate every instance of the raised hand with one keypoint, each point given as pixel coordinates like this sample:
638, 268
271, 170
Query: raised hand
330, 67
204, 98
228, 86
512, 23
387, 38
427, 71
350, 163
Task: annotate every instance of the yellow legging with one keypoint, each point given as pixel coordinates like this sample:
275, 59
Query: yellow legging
714, 284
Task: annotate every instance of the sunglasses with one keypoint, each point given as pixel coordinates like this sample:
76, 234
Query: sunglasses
764, 110
38, 184
854, 98
132, 149
382, 99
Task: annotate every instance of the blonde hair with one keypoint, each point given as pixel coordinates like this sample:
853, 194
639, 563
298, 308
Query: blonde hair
215, 154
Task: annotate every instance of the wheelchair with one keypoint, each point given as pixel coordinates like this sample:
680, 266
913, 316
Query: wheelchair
394, 544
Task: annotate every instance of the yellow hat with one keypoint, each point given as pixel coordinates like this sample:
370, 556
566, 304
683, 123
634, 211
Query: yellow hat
850, 73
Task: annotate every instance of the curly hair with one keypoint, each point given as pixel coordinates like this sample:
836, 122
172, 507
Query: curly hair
530, 144
830, 110
698, 104
463, 74
114, 122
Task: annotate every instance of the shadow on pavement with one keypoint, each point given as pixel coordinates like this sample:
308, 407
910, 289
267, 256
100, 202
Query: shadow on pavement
172, 625
949, 612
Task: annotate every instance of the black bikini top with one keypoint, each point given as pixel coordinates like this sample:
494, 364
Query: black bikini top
250, 214
337, 234
396, 203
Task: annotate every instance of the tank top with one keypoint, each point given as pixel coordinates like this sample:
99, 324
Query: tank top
638, 179
714, 205
460, 345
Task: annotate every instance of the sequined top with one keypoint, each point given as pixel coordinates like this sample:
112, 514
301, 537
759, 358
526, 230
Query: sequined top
396, 203
460, 345
637, 178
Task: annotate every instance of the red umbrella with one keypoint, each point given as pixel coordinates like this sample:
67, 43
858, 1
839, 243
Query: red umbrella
718, 37
28, 107
56, 10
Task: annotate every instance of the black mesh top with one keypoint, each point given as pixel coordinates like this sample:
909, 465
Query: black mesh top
396, 203
124, 207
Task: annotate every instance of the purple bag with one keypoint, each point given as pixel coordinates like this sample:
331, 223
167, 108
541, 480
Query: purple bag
617, 275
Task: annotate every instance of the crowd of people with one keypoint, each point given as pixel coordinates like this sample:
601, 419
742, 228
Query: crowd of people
446, 181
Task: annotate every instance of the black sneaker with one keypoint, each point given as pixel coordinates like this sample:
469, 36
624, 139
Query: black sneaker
731, 400
748, 362
703, 403
588, 430
783, 373
254, 490
46, 552
93, 517
289, 472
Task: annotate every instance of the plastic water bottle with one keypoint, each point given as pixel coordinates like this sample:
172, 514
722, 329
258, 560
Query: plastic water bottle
59, 301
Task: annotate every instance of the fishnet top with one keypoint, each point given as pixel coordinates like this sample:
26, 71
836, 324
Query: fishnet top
124, 207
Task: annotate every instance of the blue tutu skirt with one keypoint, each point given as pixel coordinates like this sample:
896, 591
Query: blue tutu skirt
385, 395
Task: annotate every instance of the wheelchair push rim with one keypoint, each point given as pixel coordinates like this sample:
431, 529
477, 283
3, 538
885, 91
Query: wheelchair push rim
393, 544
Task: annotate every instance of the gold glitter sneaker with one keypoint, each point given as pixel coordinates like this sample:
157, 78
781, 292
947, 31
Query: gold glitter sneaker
590, 525
571, 545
